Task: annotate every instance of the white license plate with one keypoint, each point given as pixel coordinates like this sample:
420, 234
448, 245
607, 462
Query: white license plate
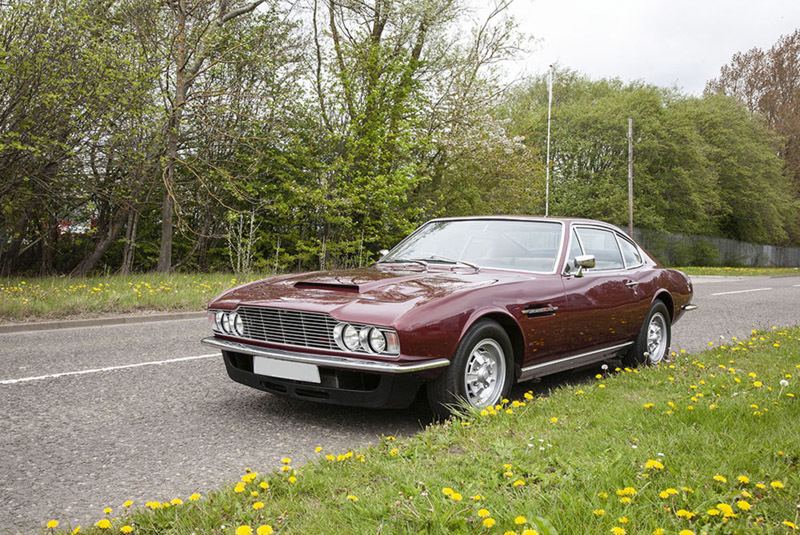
284, 369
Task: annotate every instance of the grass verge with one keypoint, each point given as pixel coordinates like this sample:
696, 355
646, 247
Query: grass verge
59, 298
702, 444
740, 271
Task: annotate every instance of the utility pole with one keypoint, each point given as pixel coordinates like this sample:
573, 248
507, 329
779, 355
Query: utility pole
547, 172
630, 177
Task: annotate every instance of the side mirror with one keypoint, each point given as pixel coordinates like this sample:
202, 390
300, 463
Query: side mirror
382, 253
582, 262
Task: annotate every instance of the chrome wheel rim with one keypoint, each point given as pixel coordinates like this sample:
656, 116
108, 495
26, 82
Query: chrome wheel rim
656, 338
484, 374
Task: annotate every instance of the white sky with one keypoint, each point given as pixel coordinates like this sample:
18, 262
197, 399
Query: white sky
663, 42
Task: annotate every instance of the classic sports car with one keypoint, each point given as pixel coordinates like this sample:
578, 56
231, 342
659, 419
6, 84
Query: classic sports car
465, 306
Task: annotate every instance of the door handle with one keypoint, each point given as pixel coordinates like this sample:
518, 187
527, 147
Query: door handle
631, 284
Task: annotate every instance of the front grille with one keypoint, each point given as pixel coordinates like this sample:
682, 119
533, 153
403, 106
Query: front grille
292, 327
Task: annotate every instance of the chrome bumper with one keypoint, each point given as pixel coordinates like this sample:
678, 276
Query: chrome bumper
327, 361
689, 307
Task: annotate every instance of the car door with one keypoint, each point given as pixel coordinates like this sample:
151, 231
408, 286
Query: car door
602, 302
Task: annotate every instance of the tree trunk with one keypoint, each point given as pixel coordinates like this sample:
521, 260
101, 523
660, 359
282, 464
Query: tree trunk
130, 243
16, 242
48, 245
87, 264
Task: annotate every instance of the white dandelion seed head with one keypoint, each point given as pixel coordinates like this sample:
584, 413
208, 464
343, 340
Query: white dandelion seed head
604, 367
784, 383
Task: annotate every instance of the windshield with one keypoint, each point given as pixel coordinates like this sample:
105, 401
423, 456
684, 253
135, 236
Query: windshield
508, 244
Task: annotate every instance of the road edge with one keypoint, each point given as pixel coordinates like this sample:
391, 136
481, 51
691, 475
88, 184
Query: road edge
97, 322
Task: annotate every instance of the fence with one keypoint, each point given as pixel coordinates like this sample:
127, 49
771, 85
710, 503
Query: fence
678, 249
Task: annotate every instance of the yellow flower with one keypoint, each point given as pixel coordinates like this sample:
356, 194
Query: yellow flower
258, 505
776, 485
625, 499
529, 532
599, 512
603, 495
757, 384
518, 483
659, 531
292, 480
317, 450
616, 530
623, 520
789, 524
239, 488
488, 522
627, 491
477, 497
654, 465
686, 532
713, 512
76, 530
244, 530
177, 501
720, 478
483, 513
649, 405
286, 460
194, 497
744, 480
456, 497
671, 491
393, 452
107, 510
52, 524
743, 505
520, 520
553, 419
103, 523
264, 485
447, 491
126, 529
264, 530
663, 494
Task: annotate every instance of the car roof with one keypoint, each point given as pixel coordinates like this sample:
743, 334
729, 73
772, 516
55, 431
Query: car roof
568, 220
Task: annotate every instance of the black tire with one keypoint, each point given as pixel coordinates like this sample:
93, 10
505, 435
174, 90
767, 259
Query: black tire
480, 373
655, 336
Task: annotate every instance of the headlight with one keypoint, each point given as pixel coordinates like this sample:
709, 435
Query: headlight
225, 322
237, 323
377, 340
366, 339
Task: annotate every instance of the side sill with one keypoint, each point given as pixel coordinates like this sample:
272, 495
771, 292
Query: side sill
567, 363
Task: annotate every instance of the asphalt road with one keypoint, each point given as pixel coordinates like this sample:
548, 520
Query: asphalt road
94, 416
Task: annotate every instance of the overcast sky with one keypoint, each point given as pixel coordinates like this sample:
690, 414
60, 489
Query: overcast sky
663, 42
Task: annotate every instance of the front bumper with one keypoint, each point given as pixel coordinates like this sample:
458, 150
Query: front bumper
344, 380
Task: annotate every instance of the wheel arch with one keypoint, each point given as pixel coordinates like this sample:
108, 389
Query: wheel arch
512, 329
665, 297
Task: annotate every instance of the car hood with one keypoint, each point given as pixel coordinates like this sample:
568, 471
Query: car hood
371, 295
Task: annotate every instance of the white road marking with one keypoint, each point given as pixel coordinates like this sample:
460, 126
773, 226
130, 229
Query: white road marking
108, 369
743, 291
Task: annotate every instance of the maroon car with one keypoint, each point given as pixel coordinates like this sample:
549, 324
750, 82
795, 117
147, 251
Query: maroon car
465, 306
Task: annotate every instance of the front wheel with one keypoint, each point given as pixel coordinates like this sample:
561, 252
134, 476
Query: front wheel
480, 373
654, 338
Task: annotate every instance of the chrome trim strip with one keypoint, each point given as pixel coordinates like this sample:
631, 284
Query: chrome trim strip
689, 307
567, 362
328, 361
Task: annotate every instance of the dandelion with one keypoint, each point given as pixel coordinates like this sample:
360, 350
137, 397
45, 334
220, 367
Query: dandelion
127, 503
264, 530
649, 405
659, 531
352, 498
788, 524
686, 532
520, 520
177, 501
713, 512
553, 419
244, 530
107, 510
456, 497
103, 523
529, 532
616, 530
683, 513
483, 513
776, 485
489, 522
623, 520
758, 384
663, 494
447, 491
652, 464
286, 460
743, 505
744, 480
52, 524
720, 478
194, 497
126, 529
393, 452
292, 480
477, 497
318, 449
518, 483
258, 505
599, 512
625, 499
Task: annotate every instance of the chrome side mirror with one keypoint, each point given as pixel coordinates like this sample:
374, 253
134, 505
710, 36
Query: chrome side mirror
382, 253
582, 262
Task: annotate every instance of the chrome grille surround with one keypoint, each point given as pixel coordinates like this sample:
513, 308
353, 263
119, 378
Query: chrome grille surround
289, 327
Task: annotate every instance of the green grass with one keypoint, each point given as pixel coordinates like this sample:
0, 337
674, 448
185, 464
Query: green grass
740, 271
670, 447
28, 299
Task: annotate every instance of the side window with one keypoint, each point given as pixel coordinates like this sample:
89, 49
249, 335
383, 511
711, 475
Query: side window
603, 245
630, 253
574, 250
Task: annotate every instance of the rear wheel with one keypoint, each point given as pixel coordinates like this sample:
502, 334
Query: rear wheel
480, 373
654, 338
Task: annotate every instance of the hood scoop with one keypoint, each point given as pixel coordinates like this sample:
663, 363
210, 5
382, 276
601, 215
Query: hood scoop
349, 288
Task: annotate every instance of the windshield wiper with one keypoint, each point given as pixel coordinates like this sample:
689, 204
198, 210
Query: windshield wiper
445, 260
405, 261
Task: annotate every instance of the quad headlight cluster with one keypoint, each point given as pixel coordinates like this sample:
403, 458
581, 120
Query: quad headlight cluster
366, 338
227, 322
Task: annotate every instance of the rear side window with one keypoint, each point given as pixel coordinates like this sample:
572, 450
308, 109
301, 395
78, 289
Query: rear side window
630, 253
603, 245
